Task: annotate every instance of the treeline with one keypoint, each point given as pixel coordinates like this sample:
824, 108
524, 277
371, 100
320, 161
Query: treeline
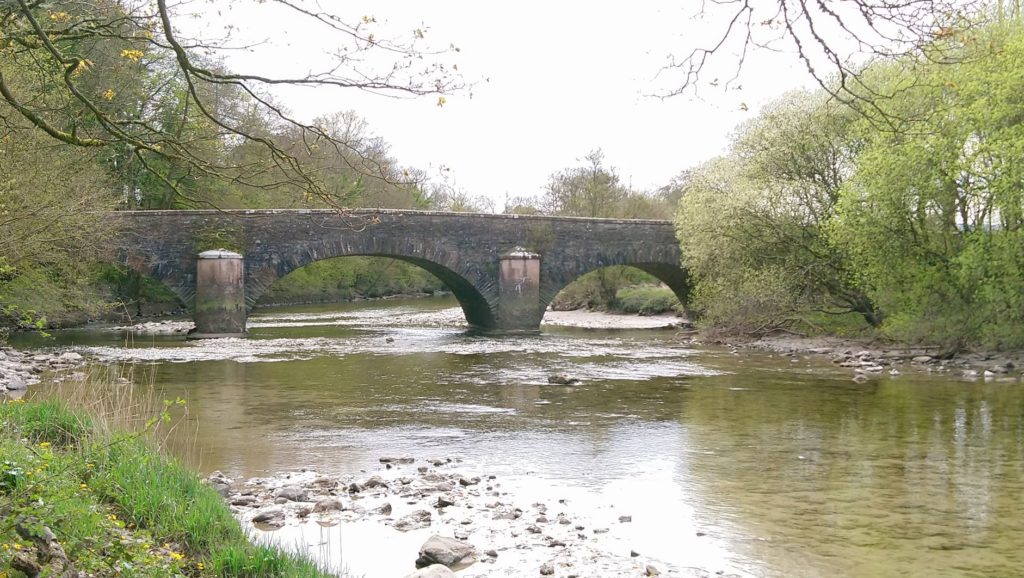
593, 189
100, 112
901, 216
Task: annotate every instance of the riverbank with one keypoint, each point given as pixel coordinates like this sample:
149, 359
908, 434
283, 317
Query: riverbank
489, 529
82, 500
20, 369
865, 358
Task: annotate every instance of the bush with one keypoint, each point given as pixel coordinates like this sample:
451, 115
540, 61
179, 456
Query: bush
646, 300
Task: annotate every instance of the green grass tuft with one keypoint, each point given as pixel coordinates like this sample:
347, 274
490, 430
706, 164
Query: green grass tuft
117, 506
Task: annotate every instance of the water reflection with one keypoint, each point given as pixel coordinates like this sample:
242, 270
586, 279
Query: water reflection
746, 463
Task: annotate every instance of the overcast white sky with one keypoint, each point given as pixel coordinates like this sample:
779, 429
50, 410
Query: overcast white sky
564, 77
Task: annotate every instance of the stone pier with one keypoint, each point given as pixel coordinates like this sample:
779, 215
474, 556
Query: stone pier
220, 295
519, 307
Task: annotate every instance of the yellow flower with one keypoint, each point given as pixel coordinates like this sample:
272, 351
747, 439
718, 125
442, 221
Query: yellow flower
176, 555
109, 94
441, 101
44, 444
89, 466
199, 566
60, 17
5, 546
134, 55
83, 486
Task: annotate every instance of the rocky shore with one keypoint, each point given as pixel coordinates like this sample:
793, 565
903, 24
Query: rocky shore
866, 360
469, 523
18, 369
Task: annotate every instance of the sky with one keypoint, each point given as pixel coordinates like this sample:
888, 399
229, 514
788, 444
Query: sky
550, 81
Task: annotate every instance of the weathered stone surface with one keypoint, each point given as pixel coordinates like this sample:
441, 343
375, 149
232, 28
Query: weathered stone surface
433, 571
329, 505
446, 551
413, 521
292, 493
562, 379
269, 516
464, 251
16, 383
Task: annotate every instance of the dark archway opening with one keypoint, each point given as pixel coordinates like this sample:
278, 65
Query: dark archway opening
641, 288
345, 278
132, 294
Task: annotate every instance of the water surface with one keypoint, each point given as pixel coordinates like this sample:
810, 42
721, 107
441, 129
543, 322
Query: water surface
746, 463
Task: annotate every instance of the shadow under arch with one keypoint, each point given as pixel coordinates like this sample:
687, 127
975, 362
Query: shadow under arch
475, 306
675, 277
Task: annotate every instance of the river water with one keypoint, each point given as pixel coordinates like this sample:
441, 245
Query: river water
740, 462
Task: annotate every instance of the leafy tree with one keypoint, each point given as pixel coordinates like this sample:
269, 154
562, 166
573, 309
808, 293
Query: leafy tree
933, 217
594, 190
51, 202
119, 76
754, 224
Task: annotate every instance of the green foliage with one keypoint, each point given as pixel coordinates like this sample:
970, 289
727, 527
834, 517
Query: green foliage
212, 238
117, 506
347, 278
48, 422
932, 217
753, 225
646, 300
598, 289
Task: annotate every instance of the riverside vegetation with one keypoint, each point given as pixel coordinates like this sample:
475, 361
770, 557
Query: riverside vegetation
85, 488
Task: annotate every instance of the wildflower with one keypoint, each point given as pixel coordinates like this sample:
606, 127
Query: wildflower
83, 486
176, 555
109, 94
44, 444
134, 55
5, 546
89, 466
199, 566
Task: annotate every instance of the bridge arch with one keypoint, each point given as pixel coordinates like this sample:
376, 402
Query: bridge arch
476, 305
672, 275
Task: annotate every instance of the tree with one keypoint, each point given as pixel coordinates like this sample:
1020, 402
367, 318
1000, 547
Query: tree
48, 237
933, 219
590, 190
836, 41
593, 190
754, 224
86, 61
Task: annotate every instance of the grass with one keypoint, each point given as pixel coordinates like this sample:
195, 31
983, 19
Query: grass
115, 503
645, 300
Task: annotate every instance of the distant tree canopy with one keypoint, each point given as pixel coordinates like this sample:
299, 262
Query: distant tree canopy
107, 104
818, 213
170, 118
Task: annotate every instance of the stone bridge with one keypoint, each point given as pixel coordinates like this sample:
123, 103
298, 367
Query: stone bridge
503, 269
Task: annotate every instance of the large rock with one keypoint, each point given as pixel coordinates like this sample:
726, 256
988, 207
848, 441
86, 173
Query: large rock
292, 494
433, 571
562, 379
414, 521
16, 383
269, 516
446, 551
329, 505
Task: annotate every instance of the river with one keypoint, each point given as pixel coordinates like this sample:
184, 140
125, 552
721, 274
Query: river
739, 462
